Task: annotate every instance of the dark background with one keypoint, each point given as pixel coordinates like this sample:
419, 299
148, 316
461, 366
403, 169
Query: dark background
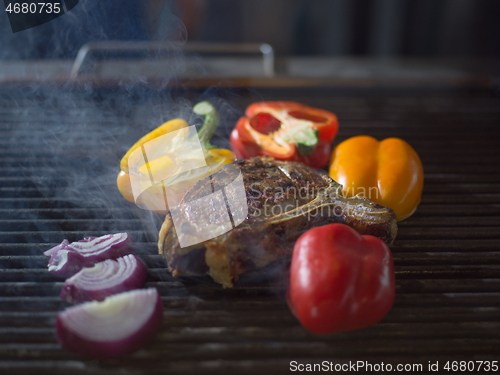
361, 27
416, 28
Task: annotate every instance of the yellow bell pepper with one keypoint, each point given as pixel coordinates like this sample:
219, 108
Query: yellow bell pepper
123, 179
169, 126
167, 164
388, 172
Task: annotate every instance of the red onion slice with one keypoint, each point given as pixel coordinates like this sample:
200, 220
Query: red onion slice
90, 250
66, 263
104, 279
63, 245
117, 326
110, 246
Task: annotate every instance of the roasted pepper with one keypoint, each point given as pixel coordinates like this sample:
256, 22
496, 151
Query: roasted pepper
388, 172
285, 131
340, 280
167, 163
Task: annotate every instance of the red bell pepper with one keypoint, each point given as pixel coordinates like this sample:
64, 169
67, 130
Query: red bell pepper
285, 131
340, 280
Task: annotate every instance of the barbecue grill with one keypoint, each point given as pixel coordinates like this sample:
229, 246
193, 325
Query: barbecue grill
60, 149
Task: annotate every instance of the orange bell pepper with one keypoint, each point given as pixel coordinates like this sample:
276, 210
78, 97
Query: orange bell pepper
388, 172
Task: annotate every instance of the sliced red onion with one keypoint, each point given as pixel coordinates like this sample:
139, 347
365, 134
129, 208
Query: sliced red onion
110, 246
117, 326
91, 249
104, 279
66, 263
63, 245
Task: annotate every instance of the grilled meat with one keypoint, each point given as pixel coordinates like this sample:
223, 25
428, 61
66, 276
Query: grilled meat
283, 200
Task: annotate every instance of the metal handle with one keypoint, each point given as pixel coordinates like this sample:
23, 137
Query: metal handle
223, 48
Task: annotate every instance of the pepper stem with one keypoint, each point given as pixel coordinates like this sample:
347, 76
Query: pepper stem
210, 124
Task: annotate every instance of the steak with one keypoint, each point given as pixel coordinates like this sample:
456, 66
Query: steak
282, 200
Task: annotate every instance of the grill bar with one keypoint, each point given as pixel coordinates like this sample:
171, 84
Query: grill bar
59, 155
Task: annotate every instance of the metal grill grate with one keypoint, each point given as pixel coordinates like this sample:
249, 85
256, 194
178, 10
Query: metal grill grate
59, 152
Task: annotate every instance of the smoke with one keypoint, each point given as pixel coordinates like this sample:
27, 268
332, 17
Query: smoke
66, 144
67, 139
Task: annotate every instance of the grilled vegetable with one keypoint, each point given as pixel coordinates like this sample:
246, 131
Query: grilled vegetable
285, 131
167, 127
66, 263
66, 259
115, 327
387, 172
172, 161
340, 280
104, 279
123, 179
63, 245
